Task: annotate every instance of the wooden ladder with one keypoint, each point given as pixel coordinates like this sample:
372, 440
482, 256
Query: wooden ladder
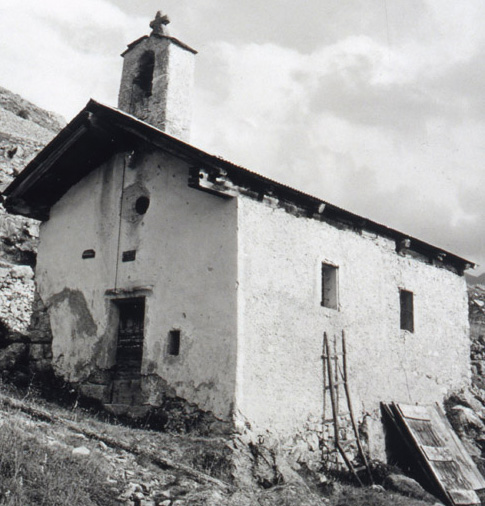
335, 372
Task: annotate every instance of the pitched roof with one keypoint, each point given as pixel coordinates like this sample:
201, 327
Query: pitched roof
99, 131
173, 39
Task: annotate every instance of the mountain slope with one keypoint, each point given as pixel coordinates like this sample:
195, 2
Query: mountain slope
24, 130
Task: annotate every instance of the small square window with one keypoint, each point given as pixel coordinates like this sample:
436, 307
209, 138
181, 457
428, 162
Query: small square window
128, 256
407, 310
174, 342
329, 286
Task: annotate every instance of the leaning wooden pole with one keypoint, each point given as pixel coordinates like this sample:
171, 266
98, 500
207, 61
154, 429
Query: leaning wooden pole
325, 390
331, 385
351, 411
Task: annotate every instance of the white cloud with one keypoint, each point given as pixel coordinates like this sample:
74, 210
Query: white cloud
357, 123
59, 54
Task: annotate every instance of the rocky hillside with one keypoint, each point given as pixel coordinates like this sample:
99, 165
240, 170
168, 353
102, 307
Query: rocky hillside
24, 130
71, 456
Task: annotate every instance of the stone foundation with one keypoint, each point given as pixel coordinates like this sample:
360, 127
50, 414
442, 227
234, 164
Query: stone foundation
151, 397
40, 338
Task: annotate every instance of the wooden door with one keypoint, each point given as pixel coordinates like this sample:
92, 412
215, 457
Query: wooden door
129, 351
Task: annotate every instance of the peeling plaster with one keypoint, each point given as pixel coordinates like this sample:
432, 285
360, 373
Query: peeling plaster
186, 253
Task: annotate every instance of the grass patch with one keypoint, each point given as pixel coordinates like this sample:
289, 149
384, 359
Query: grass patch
215, 461
354, 496
33, 473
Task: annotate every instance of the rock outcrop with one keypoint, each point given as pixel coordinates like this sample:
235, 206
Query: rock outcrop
476, 305
24, 130
466, 409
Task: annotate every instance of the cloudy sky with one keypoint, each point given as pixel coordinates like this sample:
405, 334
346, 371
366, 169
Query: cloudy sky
375, 106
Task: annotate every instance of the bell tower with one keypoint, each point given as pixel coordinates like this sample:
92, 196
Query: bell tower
157, 80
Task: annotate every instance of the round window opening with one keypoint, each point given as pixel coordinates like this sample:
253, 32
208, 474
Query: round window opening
141, 205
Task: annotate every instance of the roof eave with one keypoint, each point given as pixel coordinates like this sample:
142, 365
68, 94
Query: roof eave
107, 117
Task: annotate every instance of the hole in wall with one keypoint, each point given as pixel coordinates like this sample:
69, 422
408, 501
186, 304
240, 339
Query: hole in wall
141, 205
144, 79
136, 201
88, 253
174, 342
23, 113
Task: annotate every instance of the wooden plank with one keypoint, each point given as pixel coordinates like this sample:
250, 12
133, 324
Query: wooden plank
424, 432
446, 459
421, 464
437, 453
450, 475
414, 412
464, 497
417, 438
463, 457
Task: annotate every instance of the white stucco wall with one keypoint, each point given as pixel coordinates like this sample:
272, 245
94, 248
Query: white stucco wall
241, 280
281, 322
186, 261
